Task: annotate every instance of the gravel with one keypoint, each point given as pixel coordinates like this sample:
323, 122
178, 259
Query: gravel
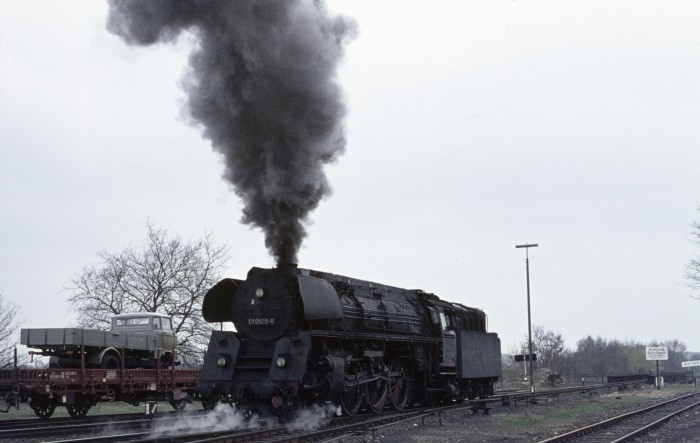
537, 422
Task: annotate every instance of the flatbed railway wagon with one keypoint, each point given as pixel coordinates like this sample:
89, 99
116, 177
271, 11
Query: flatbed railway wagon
78, 389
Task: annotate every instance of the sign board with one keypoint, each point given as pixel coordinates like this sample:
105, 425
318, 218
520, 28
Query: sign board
688, 364
525, 357
657, 353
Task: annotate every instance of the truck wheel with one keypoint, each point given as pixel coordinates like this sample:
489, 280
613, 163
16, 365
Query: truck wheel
109, 361
166, 360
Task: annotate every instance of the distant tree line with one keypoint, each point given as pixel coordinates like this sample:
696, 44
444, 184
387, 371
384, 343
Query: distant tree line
593, 356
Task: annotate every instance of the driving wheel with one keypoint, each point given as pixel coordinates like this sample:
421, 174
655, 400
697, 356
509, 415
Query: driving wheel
398, 386
376, 395
351, 400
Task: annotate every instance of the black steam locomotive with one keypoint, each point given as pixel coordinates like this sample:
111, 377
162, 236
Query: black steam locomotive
306, 337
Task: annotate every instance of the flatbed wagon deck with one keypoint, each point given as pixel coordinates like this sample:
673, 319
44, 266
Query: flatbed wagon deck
79, 389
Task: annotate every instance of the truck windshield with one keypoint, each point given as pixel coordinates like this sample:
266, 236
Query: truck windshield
136, 321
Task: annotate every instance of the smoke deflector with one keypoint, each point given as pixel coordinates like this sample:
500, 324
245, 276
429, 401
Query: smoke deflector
320, 299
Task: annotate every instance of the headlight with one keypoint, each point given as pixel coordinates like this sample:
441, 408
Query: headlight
221, 361
259, 292
281, 362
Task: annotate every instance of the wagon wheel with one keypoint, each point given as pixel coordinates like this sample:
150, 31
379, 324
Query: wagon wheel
78, 410
398, 386
43, 411
376, 395
351, 400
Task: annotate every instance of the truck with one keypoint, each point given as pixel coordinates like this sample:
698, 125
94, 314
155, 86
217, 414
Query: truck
137, 340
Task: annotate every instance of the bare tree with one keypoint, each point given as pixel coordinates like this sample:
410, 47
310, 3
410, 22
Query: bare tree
9, 332
676, 354
692, 269
98, 291
548, 345
163, 274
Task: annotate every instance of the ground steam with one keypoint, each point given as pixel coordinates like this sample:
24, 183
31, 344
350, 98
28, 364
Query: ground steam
227, 418
222, 418
262, 83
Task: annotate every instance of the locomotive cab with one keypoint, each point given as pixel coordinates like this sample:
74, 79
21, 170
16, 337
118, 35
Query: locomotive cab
444, 323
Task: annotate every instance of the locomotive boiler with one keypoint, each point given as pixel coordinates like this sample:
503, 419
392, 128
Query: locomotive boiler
305, 337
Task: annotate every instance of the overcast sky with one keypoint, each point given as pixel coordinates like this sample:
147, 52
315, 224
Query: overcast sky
473, 126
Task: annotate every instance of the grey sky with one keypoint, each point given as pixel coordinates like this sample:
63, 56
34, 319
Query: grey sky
472, 127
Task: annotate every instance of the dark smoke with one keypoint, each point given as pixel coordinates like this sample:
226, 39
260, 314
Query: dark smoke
262, 83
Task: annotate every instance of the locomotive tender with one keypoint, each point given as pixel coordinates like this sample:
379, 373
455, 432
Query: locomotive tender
306, 337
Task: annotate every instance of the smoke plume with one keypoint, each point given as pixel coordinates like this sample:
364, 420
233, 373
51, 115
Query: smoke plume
262, 83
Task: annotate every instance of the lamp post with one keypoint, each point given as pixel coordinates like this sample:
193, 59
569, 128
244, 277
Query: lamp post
529, 322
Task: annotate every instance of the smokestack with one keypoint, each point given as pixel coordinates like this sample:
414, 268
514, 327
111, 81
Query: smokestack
287, 269
262, 84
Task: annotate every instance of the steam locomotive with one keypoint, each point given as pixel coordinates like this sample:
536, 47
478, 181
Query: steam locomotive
307, 337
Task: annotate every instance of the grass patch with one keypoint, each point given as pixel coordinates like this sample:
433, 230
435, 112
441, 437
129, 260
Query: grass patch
102, 408
556, 416
541, 416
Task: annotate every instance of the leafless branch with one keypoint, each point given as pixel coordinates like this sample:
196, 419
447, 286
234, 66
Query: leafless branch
162, 274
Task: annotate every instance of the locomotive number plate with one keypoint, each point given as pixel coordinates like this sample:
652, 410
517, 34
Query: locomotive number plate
261, 321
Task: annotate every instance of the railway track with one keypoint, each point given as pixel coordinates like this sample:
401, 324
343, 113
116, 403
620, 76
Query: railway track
199, 428
365, 425
208, 425
56, 428
36, 423
626, 427
333, 428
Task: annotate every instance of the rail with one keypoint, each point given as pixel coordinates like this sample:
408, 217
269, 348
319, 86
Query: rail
625, 434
